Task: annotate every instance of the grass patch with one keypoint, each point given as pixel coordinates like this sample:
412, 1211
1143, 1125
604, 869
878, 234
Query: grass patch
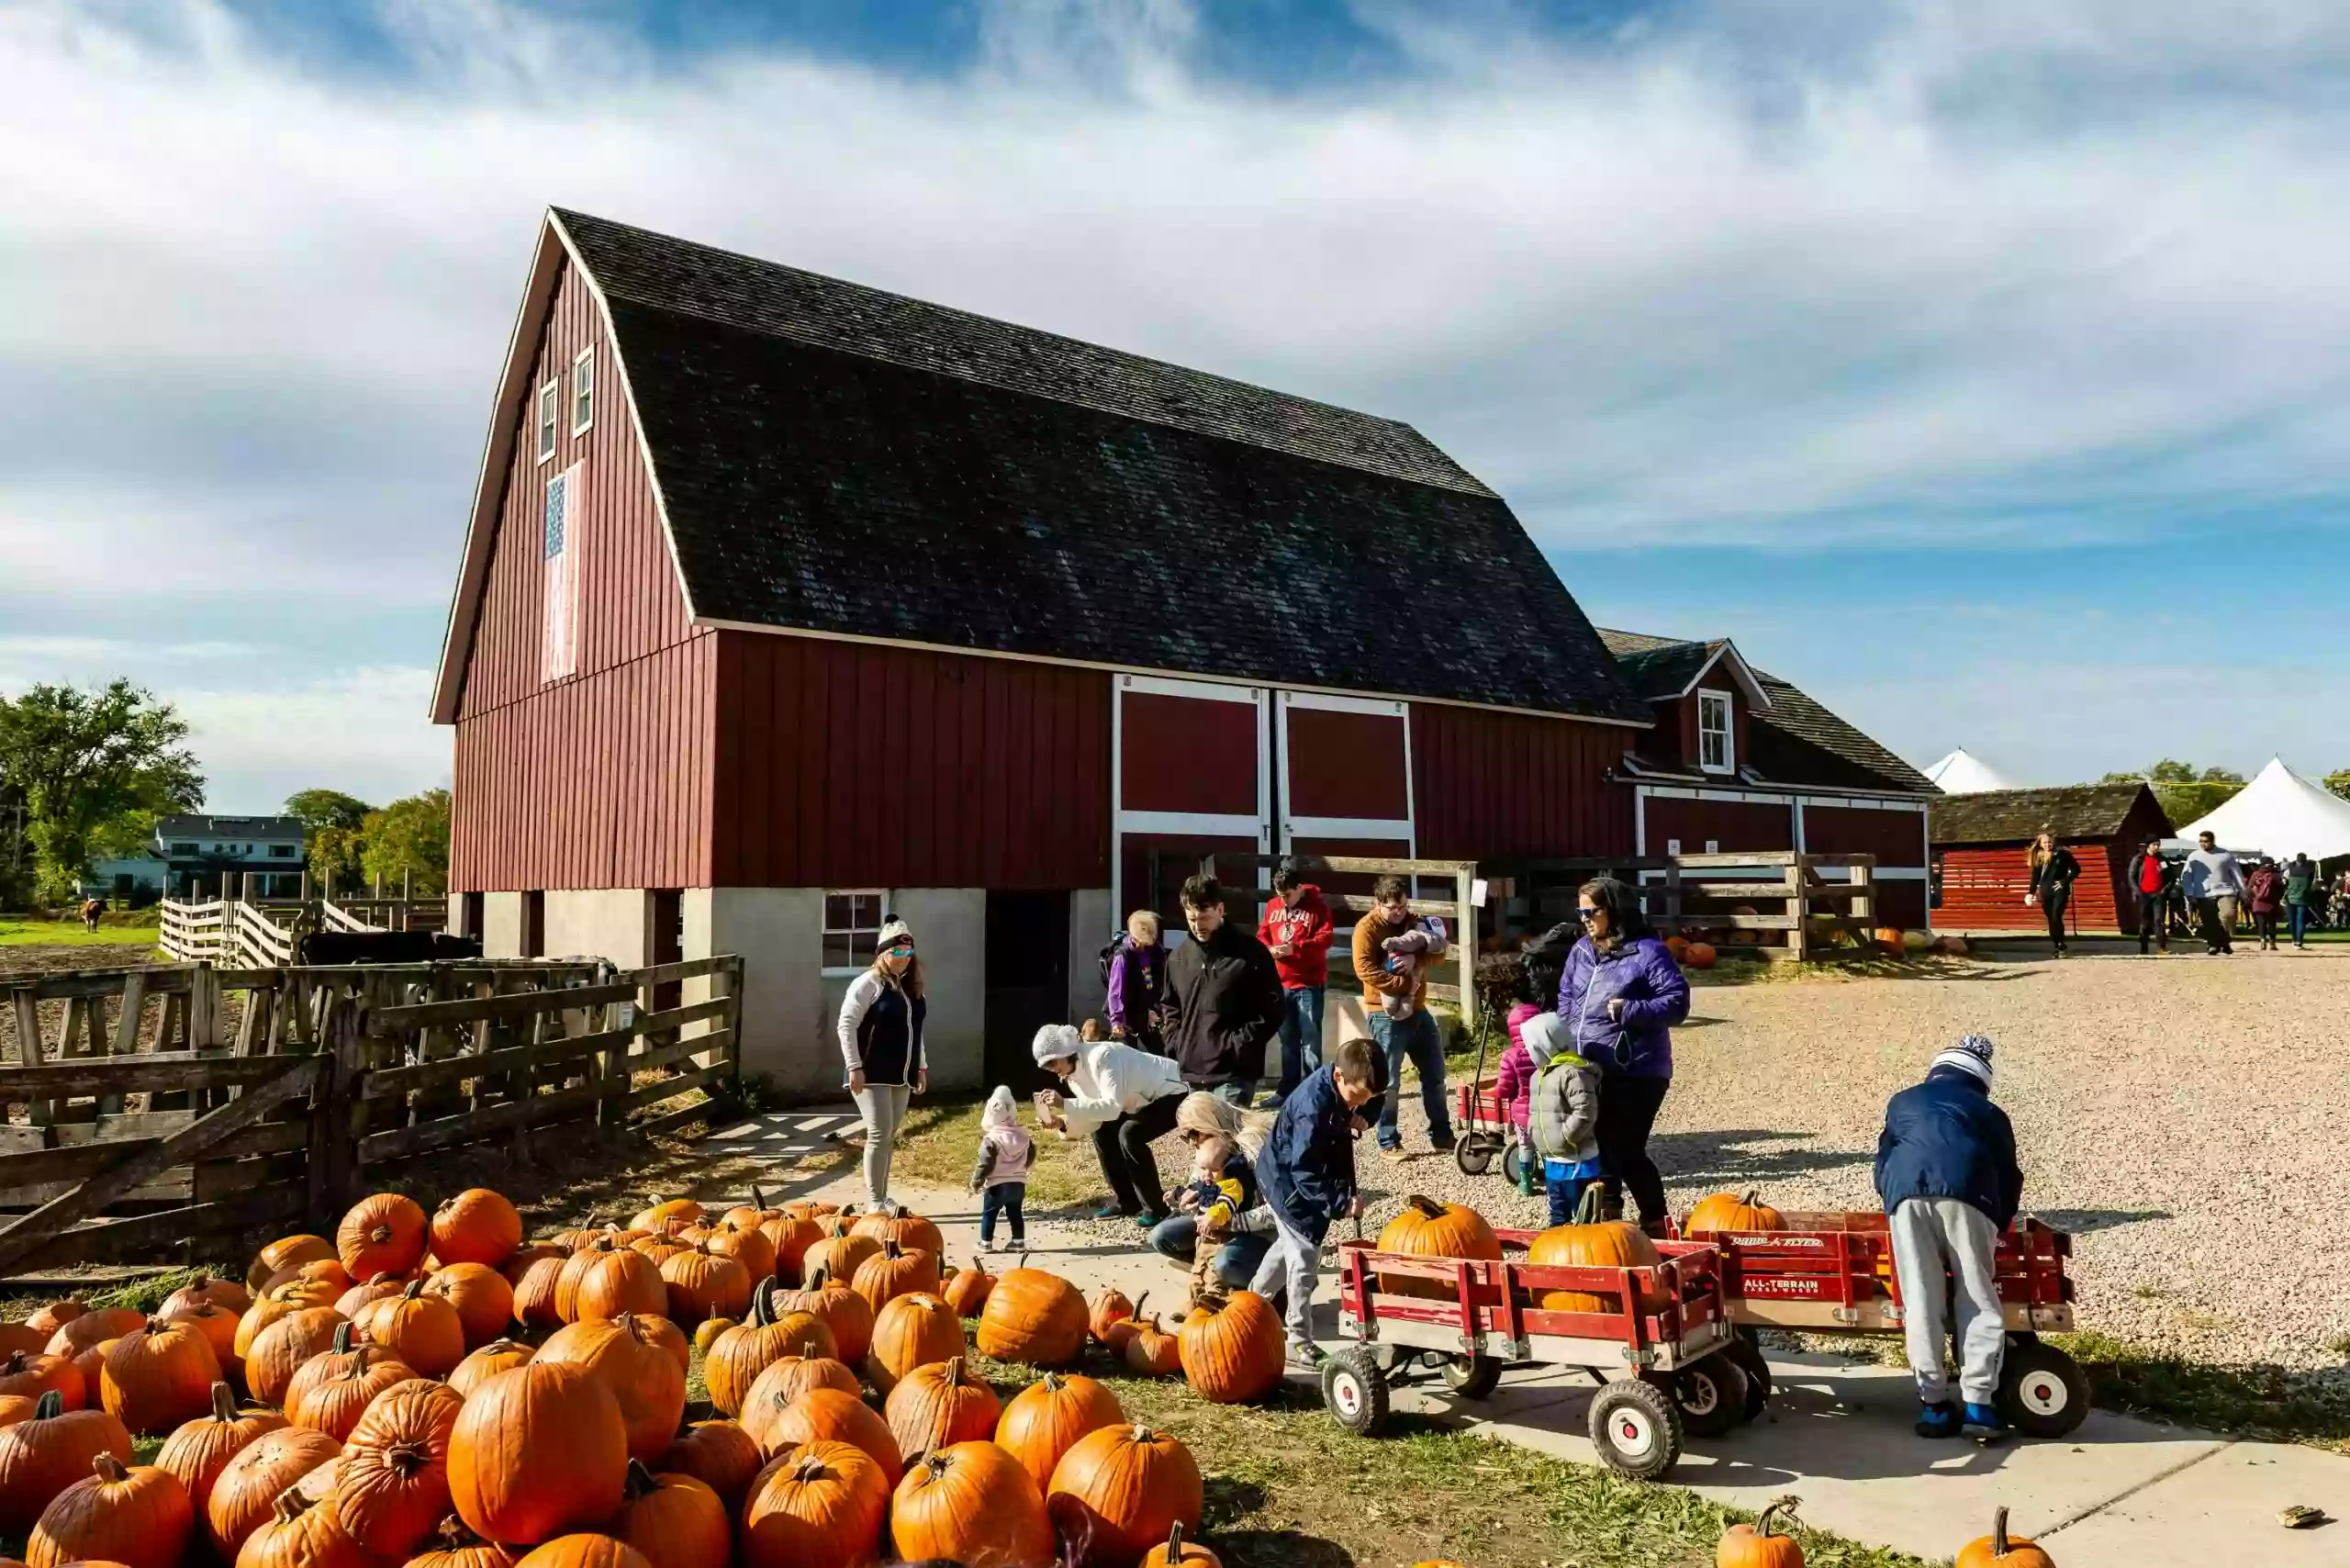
940, 1140
70, 933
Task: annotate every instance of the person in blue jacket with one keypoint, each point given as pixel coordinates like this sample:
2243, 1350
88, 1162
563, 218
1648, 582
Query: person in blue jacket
1306, 1172
1946, 1170
1619, 996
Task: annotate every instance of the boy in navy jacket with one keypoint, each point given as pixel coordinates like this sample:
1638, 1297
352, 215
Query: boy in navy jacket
1306, 1171
1946, 1170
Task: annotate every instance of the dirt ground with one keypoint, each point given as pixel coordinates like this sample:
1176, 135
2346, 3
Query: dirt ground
58, 960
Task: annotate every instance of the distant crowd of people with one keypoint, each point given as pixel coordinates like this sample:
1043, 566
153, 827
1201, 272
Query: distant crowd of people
2207, 895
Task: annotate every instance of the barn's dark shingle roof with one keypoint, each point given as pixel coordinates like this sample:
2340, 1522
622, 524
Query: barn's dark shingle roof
835, 458
1664, 673
1998, 816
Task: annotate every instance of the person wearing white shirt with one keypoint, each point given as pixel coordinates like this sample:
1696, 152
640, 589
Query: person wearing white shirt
1126, 1098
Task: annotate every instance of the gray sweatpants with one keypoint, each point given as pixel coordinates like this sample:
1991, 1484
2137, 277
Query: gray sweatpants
1289, 1270
1929, 1235
883, 1106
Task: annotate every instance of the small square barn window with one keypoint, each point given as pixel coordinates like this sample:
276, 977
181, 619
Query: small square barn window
583, 391
1715, 753
851, 928
548, 405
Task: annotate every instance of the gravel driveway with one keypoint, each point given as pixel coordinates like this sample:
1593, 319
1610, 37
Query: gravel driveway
2187, 1118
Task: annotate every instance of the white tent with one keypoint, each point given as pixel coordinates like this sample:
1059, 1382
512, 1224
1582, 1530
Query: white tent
2280, 813
1960, 774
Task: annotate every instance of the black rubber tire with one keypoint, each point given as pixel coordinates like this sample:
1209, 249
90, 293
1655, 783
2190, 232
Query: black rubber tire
1354, 1391
1474, 1154
1759, 1386
1711, 1395
1473, 1377
2042, 1391
1513, 1164
1637, 1429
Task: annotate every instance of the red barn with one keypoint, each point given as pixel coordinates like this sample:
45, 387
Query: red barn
1982, 844
786, 603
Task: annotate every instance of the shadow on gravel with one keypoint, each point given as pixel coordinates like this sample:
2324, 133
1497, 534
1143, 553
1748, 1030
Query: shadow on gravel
1732, 1155
2080, 1222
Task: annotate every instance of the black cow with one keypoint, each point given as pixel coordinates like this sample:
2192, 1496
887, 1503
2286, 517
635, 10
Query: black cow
385, 946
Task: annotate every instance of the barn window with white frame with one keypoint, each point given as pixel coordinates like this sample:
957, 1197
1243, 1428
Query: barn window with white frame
549, 403
583, 391
851, 928
1714, 750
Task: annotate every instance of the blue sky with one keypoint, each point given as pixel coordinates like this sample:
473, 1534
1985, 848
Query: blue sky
1983, 368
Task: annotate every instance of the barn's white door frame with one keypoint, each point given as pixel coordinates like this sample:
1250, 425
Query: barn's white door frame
1295, 827
1211, 824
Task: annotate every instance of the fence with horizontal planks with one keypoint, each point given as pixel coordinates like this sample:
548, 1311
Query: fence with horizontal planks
122, 1144
238, 927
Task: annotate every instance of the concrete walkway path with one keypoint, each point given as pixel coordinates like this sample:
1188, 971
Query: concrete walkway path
2119, 1492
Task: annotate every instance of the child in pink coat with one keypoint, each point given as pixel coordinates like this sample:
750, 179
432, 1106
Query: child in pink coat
1515, 1086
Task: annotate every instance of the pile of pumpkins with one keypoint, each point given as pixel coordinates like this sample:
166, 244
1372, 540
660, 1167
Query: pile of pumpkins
1691, 954
430, 1390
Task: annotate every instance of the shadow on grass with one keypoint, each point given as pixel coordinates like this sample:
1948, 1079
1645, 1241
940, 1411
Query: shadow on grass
2255, 1399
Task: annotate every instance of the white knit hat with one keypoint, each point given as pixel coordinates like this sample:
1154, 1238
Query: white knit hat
893, 931
1056, 1042
1972, 1054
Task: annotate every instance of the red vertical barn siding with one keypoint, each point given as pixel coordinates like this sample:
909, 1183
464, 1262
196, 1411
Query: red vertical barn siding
857, 764
1897, 839
1345, 764
604, 778
1487, 785
1983, 885
1187, 753
1730, 825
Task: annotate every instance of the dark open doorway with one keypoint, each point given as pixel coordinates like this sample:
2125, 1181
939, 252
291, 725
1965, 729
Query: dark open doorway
1027, 981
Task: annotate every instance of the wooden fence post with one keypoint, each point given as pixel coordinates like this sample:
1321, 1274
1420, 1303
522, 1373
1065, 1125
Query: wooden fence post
1800, 906
336, 1116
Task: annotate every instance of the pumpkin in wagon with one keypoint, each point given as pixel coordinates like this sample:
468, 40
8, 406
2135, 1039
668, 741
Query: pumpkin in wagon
1120, 1491
971, 1503
1727, 1214
1427, 1228
1591, 1240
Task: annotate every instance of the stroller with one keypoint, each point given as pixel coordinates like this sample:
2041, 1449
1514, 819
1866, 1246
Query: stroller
1485, 1129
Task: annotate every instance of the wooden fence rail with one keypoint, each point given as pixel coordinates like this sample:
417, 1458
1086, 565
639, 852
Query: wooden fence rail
109, 1151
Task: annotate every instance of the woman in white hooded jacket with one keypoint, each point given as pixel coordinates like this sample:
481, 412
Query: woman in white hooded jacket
1127, 1099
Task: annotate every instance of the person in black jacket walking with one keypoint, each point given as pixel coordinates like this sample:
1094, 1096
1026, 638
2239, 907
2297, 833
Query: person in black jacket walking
1946, 1172
2054, 870
1224, 999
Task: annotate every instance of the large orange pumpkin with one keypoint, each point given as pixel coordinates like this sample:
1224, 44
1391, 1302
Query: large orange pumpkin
1233, 1352
22, 1340
721, 1455
910, 1331
258, 1317
821, 1503
966, 1290
896, 1271
2000, 1550
586, 1549
247, 1488
895, 1221
938, 1406
1033, 1317
321, 1283
32, 1376
617, 1280
393, 1487
383, 1233
477, 1225
43, 1457
537, 1451
1589, 1239
201, 1449
791, 1235
838, 1308
738, 1355
665, 1210
1727, 1214
334, 1387
841, 1253
138, 1517
480, 1294
215, 1323
420, 1328
630, 1355
284, 1253
675, 1521
971, 1503
355, 1301
534, 1293
454, 1546
828, 1415
1046, 1418
77, 1336
1117, 1492
302, 1532
780, 1386
1759, 1545
701, 1285
205, 1290
286, 1346
747, 1245
16, 1407
498, 1356
1427, 1228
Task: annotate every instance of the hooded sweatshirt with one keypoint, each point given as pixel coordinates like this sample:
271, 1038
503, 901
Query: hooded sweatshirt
1006, 1152
1565, 1101
1306, 927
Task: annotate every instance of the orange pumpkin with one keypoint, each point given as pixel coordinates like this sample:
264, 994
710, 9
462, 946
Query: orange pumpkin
586, 1549
383, 1233
333, 1390
1427, 1228
477, 1225
247, 1489
966, 1290
23, 1338
43, 1457
359, 1297
738, 1355
31, 1376
76, 1336
302, 1532
16, 1407
1591, 1241
910, 1331
201, 1449
322, 1283
1110, 1308
841, 1253
791, 1235
420, 1328
1727, 1214
138, 1517
675, 1521
158, 1376
616, 1280
1046, 1418
204, 1290
1151, 1350
284, 1253
896, 1271
971, 1503
393, 1487
1120, 1491
537, 1451
48, 1319
629, 1354
1033, 1317
1177, 1553
479, 1295
703, 1286
755, 1212
663, 1211
215, 1323
454, 1546
895, 1221
498, 1356
828, 1415
1760, 1544
258, 1317
2000, 1550
707, 1331
779, 1387
534, 1293
838, 1308
1699, 955
821, 1503
938, 1406
721, 1455
1233, 1352
747, 1245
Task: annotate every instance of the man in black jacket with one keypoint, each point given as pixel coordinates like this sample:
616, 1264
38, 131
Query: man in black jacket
1224, 999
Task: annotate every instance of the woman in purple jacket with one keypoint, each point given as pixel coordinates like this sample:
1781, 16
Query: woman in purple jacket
1619, 996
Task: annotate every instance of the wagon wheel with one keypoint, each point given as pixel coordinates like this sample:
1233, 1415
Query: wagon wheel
1514, 1165
2042, 1392
1354, 1391
1635, 1426
1712, 1395
1472, 1377
1474, 1153
1747, 1355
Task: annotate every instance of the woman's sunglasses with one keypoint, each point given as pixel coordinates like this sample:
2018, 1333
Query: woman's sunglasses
903, 950
1585, 912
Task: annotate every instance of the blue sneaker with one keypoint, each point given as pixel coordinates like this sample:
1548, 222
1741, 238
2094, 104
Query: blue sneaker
1149, 1221
1938, 1420
1983, 1422
1109, 1211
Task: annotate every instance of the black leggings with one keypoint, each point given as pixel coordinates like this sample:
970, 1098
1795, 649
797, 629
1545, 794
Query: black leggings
2053, 903
1627, 1108
2265, 924
1127, 1162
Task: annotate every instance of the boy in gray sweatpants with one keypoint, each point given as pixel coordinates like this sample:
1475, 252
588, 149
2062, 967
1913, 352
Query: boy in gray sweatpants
1946, 1170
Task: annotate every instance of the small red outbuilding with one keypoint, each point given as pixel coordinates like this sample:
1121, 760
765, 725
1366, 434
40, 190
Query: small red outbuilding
1982, 846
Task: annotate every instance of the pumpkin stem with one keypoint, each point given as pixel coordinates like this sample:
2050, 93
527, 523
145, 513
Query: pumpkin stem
1754, 1198
415, 1289
289, 1506
1776, 1517
224, 1403
936, 1463
109, 1468
15, 1363
955, 1373
1999, 1532
1054, 1383
1589, 1208
809, 1469
342, 1337
1133, 1313
51, 1405
1175, 1544
1429, 1208
640, 1481
408, 1457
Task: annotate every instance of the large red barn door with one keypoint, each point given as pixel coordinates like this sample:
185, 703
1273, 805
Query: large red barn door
1193, 774
1344, 779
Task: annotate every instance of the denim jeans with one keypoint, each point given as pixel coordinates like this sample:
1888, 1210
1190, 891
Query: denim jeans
1003, 1199
1301, 1036
1176, 1237
2300, 916
1415, 1039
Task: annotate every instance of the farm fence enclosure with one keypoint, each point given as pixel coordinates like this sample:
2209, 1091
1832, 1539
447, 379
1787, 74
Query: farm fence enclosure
181, 1103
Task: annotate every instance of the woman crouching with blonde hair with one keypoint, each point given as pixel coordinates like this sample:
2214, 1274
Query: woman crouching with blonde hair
1222, 1141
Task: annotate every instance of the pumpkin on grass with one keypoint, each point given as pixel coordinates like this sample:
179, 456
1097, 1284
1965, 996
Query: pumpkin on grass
55, 1316
821, 1503
1046, 1418
1033, 1317
966, 1290
782, 1384
721, 1455
78, 1336
1698, 956
286, 1346
1427, 1228
393, 1486
284, 1253
738, 1355
204, 1290
747, 1245
1589, 1239
246, 1490
1233, 1352
841, 1251
896, 1270
537, 1451
676, 1521
616, 1280
215, 1323
32, 1376
23, 1338
479, 1295
1760, 1544
2000, 1550
910, 1331
971, 1503
838, 1308
498, 1356
1110, 1308
1117, 1492
302, 1532
701, 1286
454, 1546
419, 1328
938, 1405
477, 1225
1150, 1351
43, 1457
383, 1233
201, 1449
534, 1292
828, 1415
1727, 1214
359, 1297
159, 1375
629, 1354
322, 1283
135, 1515
791, 1235
1177, 1553
707, 1331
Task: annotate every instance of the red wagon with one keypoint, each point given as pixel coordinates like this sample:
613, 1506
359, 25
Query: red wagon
1660, 1341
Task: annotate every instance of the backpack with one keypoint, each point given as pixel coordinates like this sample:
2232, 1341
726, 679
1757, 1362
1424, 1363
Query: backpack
1109, 961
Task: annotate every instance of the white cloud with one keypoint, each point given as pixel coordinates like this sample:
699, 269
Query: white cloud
357, 731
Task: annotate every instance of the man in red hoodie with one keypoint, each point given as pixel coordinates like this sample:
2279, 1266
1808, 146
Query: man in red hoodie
1297, 929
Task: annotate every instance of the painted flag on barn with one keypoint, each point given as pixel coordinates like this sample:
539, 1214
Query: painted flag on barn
559, 653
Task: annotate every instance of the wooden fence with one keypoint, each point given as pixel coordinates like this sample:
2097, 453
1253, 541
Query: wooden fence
118, 1146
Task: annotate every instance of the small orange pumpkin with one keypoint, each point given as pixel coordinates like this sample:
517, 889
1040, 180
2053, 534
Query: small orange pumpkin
1760, 1544
2000, 1550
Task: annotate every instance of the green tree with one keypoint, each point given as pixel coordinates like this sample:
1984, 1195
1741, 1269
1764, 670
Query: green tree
2339, 782
83, 761
410, 836
2218, 776
334, 829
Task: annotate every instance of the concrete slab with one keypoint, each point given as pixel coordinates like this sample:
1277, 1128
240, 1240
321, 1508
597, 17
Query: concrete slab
2221, 1510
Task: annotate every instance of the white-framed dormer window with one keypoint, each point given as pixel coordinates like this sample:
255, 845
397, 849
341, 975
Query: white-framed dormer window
550, 405
851, 928
1717, 752
583, 391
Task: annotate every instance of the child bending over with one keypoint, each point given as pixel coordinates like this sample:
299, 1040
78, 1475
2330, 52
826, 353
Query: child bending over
1306, 1171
